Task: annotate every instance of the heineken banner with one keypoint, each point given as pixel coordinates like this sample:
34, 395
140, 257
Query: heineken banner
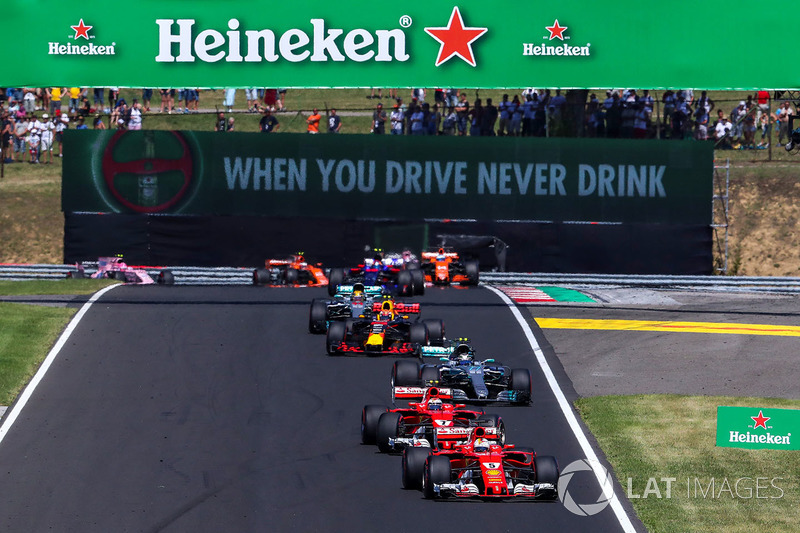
470, 43
755, 428
387, 177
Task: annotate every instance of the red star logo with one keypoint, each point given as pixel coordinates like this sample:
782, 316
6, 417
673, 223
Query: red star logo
81, 30
556, 31
760, 420
455, 39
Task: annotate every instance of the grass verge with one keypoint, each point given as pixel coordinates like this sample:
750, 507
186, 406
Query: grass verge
45, 287
26, 334
670, 436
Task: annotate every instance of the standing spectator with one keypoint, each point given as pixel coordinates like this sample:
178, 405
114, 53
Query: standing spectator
434, 120
75, 94
680, 117
451, 97
783, 114
282, 100
488, 119
29, 100
191, 96
313, 122
557, 104
737, 116
230, 99
591, 115
628, 119
438, 96
165, 101
62, 124
475, 118
113, 96
98, 100
765, 123
614, 117
47, 134
462, 114
705, 102
762, 97
135, 116
252, 99
528, 112
419, 95
749, 126
147, 96
335, 122
231, 124
701, 121
449, 122
181, 96
648, 102
372, 94
417, 121
668, 99
505, 115
221, 124
516, 111
55, 94
396, 118
268, 123
271, 99
34, 139
20, 132
6, 132
379, 120
722, 133
640, 121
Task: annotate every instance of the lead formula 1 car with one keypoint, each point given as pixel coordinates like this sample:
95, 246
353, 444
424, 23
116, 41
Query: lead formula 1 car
471, 380
482, 468
292, 270
115, 268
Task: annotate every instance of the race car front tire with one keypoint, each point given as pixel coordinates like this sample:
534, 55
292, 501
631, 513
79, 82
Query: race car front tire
335, 279
75, 274
291, 276
369, 422
429, 375
437, 470
318, 316
119, 276
435, 331
261, 276
389, 426
546, 470
521, 382
495, 421
417, 281
166, 277
472, 270
405, 373
418, 334
336, 333
405, 283
414, 459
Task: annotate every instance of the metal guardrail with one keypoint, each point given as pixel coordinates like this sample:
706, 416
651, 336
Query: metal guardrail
243, 276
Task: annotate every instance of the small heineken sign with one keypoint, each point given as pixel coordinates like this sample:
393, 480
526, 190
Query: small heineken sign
756, 428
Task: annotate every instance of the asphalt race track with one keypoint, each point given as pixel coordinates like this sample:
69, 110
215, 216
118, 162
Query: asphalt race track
213, 409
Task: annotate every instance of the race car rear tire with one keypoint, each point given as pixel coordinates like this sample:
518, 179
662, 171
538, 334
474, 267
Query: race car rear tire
405, 283
291, 276
369, 422
418, 334
495, 421
75, 274
429, 374
414, 459
472, 270
405, 373
521, 382
417, 281
318, 316
119, 275
336, 333
437, 470
335, 279
435, 331
546, 468
166, 277
389, 426
261, 276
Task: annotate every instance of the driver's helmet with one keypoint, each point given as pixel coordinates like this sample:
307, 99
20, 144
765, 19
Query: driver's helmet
387, 310
358, 290
440, 255
462, 352
435, 404
481, 445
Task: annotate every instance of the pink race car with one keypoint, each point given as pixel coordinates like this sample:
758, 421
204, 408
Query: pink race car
116, 268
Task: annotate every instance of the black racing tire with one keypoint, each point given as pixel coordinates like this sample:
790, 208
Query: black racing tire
405, 373
418, 334
389, 426
437, 470
291, 276
369, 422
166, 277
546, 468
435, 331
336, 333
119, 275
261, 276
521, 382
417, 281
75, 274
405, 283
318, 316
472, 270
495, 421
335, 278
414, 459
428, 375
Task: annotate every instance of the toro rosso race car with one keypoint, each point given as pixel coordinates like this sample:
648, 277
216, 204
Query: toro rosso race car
389, 272
483, 467
390, 332
350, 301
430, 423
444, 267
292, 270
116, 268
471, 380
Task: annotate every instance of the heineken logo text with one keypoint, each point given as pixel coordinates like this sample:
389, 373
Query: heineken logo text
319, 44
767, 438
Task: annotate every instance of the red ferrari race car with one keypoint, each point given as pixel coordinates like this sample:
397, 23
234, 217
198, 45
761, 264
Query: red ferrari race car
428, 424
116, 268
444, 267
390, 332
483, 467
292, 270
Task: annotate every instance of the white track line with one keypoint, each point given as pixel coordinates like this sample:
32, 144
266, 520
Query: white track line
566, 408
62, 340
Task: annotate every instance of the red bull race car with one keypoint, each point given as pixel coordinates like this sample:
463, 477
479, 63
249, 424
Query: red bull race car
293, 270
431, 423
483, 468
390, 331
116, 268
444, 267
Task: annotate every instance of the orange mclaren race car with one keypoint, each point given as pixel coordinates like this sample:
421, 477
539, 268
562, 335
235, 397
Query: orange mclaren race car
292, 270
444, 267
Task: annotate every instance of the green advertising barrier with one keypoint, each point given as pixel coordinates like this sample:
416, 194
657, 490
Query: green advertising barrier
755, 428
388, 177
471, 43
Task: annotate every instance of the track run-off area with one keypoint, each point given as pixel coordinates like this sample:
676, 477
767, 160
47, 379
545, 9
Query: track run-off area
193, 408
